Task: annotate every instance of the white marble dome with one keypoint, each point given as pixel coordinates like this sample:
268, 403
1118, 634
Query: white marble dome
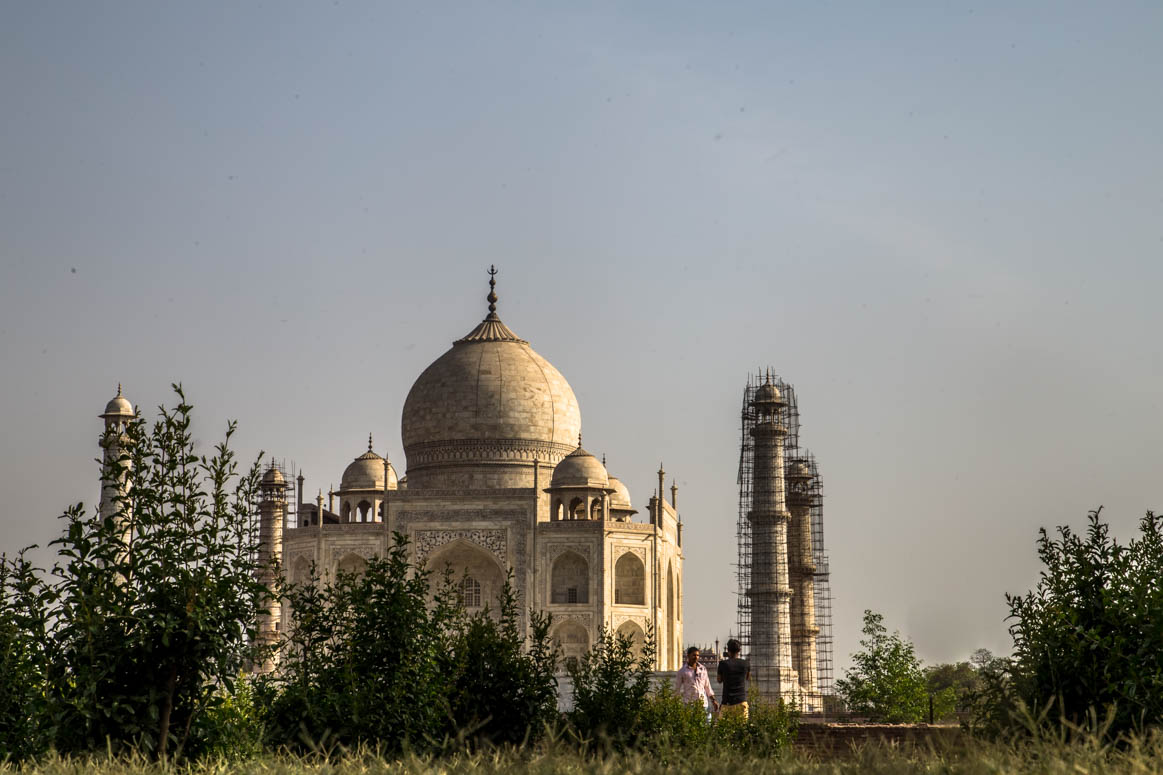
620, 497
273, 477
118, 406
484, 411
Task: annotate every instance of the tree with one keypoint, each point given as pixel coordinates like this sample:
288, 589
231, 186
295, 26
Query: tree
366, 660
24, 719
886, 682
149, 612
611, 688
949, 685
1088, 640
504, 690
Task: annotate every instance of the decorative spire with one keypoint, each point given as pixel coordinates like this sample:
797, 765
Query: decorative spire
119, 390
491, 329
492, 297
579, 438
369, 442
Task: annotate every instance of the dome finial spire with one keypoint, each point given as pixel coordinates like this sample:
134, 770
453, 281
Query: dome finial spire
369, 442
119, 390
492, 297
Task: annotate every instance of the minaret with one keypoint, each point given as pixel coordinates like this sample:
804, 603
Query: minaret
272, 511
114, 471
801, 575
770, 593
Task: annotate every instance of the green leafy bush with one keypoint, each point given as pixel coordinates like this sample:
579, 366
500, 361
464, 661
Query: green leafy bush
767, 731
1088, 640
366, 660
504, 690
377, 659
149, 610
24, 653
885, 682
231, 728
611, 689
668, 722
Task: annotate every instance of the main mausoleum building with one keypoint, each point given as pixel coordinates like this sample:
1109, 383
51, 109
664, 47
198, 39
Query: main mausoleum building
496, 480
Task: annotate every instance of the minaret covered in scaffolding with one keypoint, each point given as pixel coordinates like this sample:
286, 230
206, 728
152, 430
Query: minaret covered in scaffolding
801, 567
770, 592
784, 595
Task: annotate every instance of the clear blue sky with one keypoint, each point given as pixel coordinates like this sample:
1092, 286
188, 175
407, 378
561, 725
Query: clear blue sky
940, 221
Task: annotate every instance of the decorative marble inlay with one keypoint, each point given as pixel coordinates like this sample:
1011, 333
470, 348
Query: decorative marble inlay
584, 619
491, 539
366, 552
556, 550
637, 551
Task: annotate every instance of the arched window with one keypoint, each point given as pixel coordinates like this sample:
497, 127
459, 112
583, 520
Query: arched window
558, 510
577, 508
470, 592
629, 580
364, 508
570, 579
596, 509
353, 564
346, 511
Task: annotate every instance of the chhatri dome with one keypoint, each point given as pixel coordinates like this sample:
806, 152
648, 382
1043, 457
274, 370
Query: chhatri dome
118, 406
366, 472
580, 469
483, 412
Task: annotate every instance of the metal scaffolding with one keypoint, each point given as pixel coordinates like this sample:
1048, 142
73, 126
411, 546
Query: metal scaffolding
784, 595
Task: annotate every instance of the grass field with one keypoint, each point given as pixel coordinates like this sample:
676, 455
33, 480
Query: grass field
971, 759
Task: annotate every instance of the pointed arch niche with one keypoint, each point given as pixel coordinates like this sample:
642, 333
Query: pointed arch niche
629, 580
569, 579
637, 637
351, 563
573, 639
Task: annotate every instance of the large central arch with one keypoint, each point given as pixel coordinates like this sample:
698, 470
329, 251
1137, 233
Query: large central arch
466, 559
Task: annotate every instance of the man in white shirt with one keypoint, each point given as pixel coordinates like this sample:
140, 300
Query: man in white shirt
692, 683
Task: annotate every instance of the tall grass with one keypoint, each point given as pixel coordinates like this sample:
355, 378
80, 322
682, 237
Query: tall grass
559, 757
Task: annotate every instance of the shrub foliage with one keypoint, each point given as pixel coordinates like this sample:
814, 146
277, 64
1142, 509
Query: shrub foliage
378, 659
1088, 639
148, 611
886, 682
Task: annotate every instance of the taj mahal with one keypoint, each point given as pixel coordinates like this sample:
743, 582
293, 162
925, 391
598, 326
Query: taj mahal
496, 481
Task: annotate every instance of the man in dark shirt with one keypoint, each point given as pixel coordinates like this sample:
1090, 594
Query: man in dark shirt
734, 673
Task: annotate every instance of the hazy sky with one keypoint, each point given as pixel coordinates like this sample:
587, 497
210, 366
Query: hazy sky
940, 222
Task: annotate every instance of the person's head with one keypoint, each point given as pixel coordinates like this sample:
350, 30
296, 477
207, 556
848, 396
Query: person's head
733, 648
692, 656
